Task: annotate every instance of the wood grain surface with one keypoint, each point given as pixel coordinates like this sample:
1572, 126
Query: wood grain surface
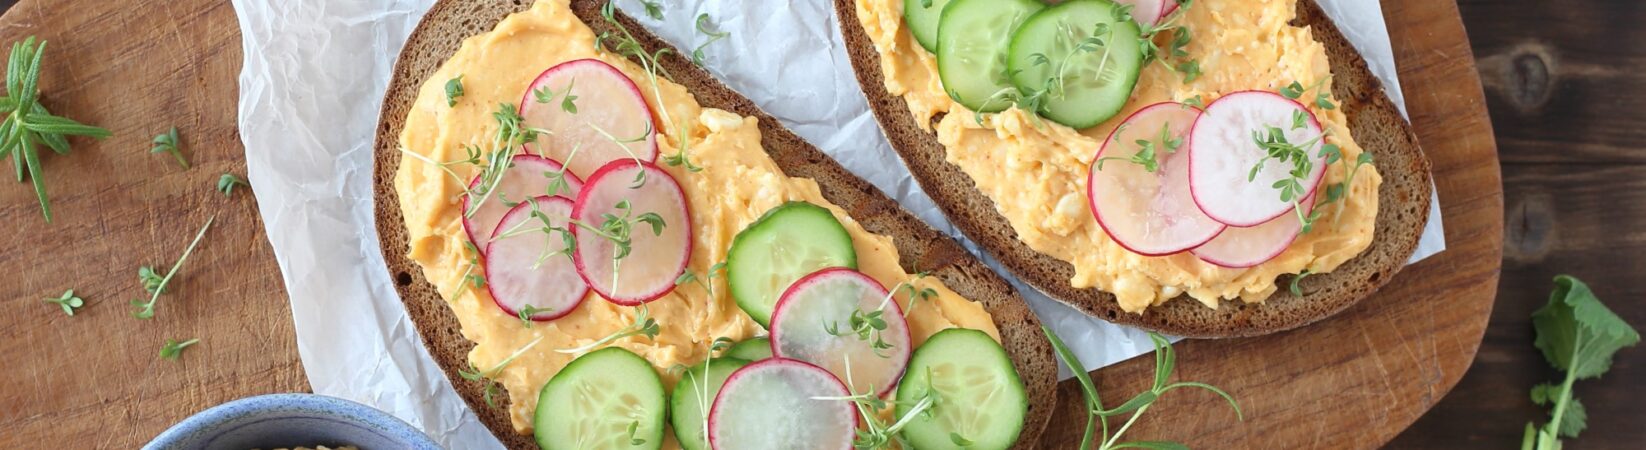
1565, 82
95, 380
1564, 95
1358, 379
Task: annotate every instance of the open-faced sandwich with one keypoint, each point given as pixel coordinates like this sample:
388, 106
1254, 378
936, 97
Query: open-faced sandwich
605, 248
1207, 168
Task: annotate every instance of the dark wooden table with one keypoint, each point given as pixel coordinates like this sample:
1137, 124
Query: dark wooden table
1566, 84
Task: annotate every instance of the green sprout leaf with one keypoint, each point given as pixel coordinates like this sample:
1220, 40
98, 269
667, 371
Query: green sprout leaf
174, 348
227, 182
68, 301
169, 142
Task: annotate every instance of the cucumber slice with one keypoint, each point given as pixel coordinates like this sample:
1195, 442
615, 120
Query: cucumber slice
973, 42
593, 402
789, 242
751, 350
922, 17
976, 393
1087, 82
690, 402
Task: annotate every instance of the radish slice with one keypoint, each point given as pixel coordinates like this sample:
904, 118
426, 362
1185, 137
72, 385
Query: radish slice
1147, 13
1223, 151
1239, 248
1149, 213
527, 177
825, 301
655, 260
778, 403
522, 267
606, 120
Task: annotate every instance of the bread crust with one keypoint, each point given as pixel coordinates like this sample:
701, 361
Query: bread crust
1376, 124
921, 248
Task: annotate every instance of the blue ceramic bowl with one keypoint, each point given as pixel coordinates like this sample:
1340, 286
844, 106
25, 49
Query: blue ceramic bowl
289, 421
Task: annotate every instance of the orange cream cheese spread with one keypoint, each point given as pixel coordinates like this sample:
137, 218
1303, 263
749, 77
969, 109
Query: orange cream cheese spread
737, 184
1035, 171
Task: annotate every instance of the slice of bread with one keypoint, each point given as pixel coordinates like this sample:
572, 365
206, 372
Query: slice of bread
1379, 128
921, 247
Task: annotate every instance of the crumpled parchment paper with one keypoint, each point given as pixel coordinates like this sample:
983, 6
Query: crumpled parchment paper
313, 81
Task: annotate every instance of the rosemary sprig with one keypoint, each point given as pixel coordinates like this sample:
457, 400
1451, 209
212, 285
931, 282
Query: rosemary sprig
157, 285
28, 124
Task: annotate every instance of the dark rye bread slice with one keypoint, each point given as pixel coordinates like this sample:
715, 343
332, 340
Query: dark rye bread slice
1376, 124
922, 248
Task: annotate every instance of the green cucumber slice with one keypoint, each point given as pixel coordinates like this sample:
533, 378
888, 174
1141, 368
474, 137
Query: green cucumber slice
973, 42
1088, 77
789, 242
922, 17
690, 402
593, 402
751, 350
977, 394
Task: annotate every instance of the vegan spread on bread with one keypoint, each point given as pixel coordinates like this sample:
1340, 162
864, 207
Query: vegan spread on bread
617, 254
1160, 147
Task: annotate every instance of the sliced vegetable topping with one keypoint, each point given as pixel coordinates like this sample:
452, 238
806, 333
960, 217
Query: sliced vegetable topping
526, 177
922, 17
594, 114
1139, 185
973, 39
633, 232
608, 398
787, 243
842, 320
977, 397
1147, 13
528, 262
1253, 156
782, 404
1077, 62
689, 404
751, 350
1246, 247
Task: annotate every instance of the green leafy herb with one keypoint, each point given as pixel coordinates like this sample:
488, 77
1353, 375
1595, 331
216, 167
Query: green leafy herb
915, 295
1197, 101
454, 90
960, 441
68, 301
654, 10
1190, 70
874, 433
568, 103
708, 29
174, 348
634, 427
156, 284
643, 325
227, 182
1165, 362
527, 312
1276, 146
1298, 290
1146, 153
169, 142
1292, 91
488, 376
28, 124
1578, 335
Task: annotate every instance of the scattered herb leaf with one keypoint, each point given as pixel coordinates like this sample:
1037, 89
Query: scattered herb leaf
174, 348
68, 301
169, 142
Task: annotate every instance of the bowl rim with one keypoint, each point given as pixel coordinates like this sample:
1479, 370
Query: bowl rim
237, 409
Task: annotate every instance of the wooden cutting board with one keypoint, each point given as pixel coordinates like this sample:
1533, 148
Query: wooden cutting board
94, 380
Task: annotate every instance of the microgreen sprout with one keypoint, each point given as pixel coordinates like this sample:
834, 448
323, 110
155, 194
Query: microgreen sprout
707, 28
174, 348
68, 301
487, 376
169, 142
643, 325
454, 90
1165, 362
875, 433
156, 284
227, 182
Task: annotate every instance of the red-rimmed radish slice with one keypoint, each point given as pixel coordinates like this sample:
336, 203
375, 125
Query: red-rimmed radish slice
654, 260
1239, 248
1149, 213
1147, 13
782, 403
1223, 150
824, 301
526, 266
526, 177
606, 120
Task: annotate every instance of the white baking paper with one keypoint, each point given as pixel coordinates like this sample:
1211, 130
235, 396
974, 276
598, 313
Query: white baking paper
310, 91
